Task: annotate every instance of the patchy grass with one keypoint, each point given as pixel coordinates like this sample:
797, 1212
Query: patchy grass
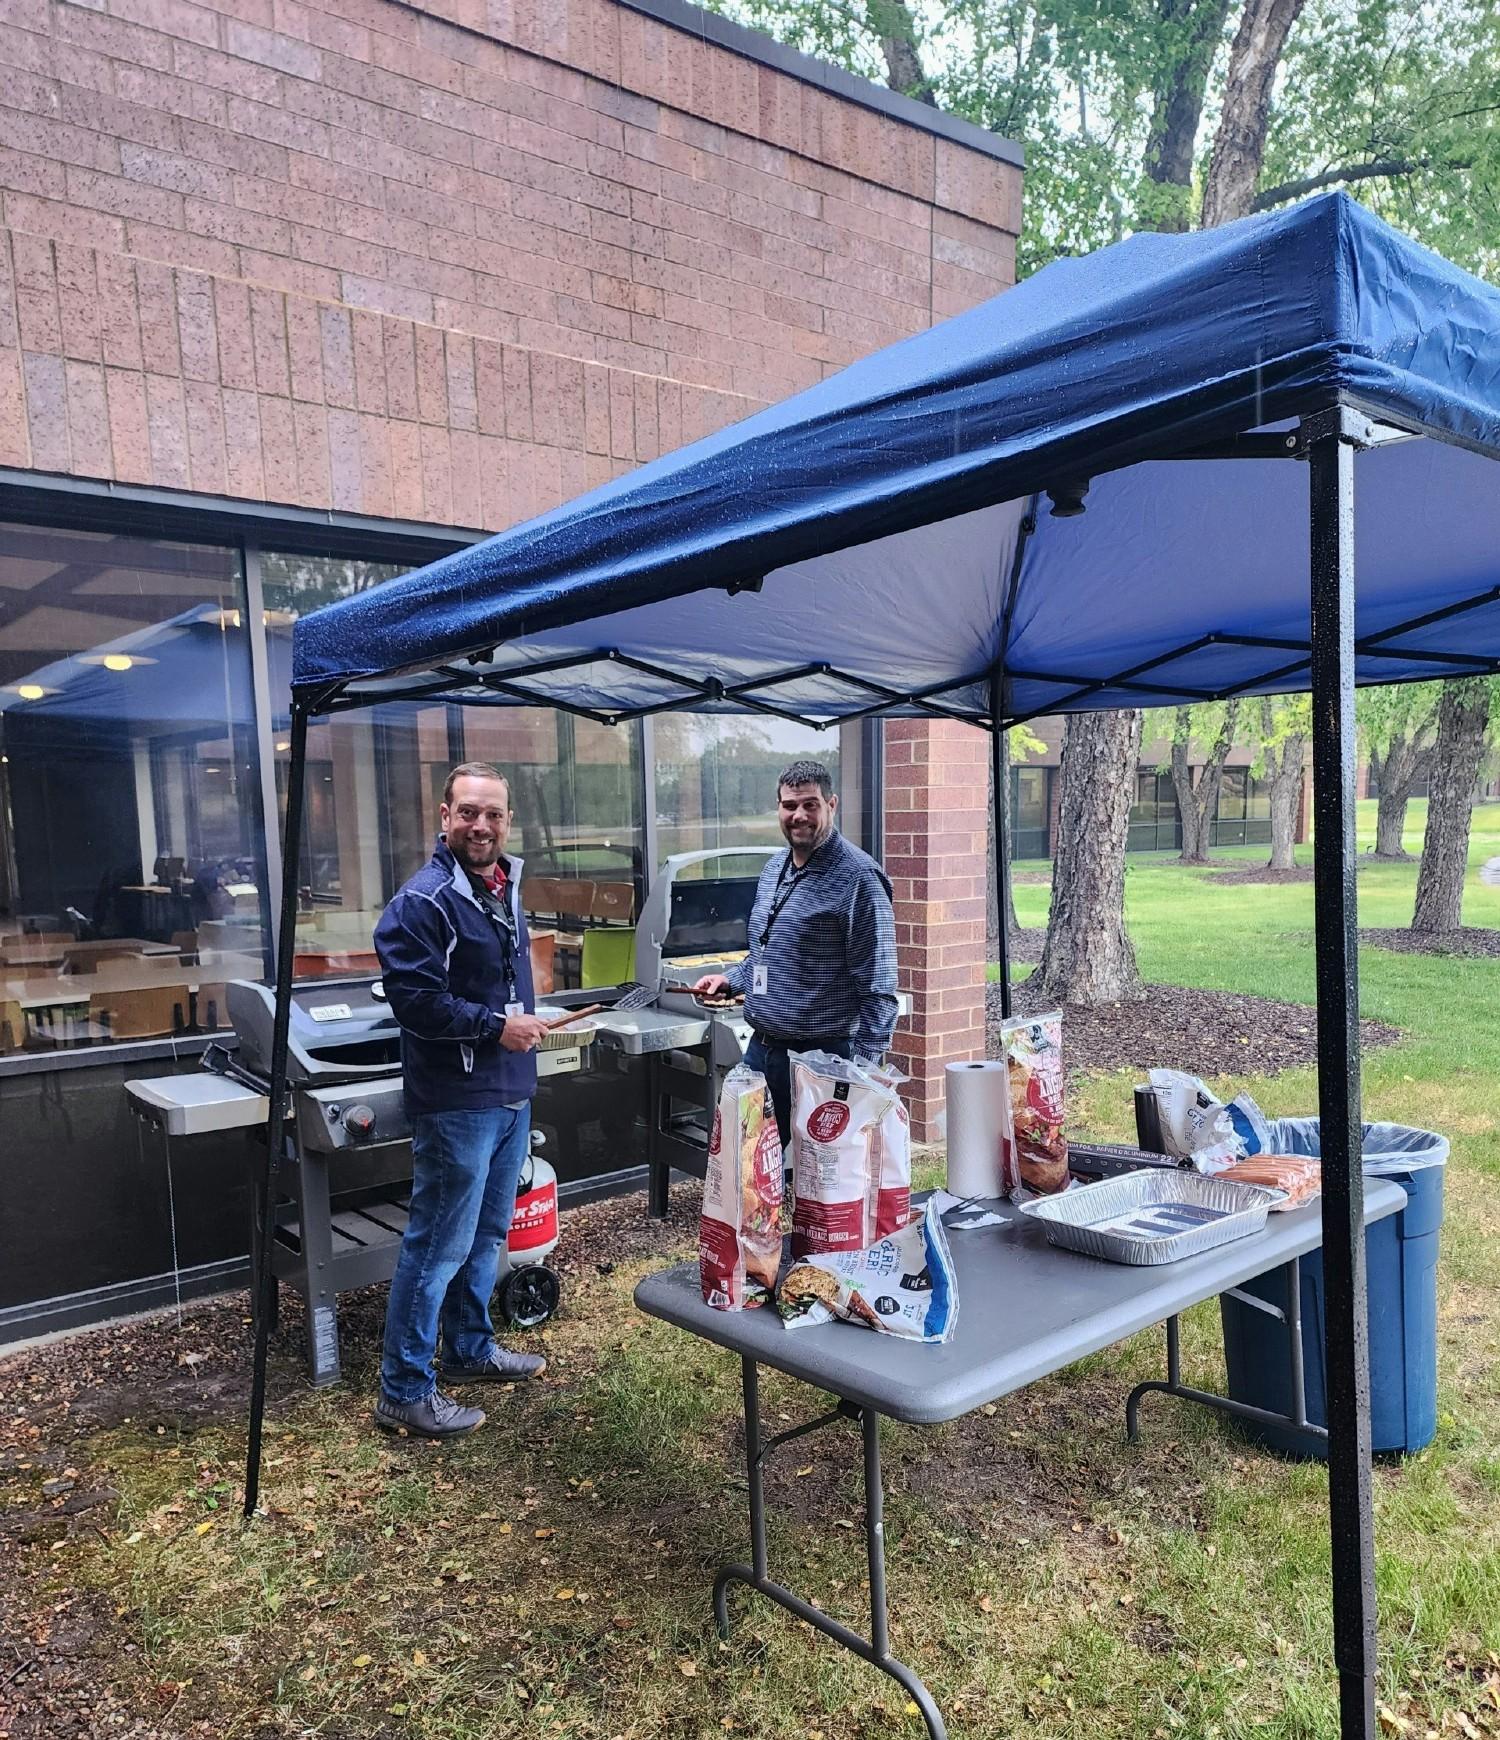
550, 1576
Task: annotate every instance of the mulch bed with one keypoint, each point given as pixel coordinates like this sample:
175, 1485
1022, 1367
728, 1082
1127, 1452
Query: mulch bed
1261, 873
1027, 943
1469, 940
1207, 1033
1030, 879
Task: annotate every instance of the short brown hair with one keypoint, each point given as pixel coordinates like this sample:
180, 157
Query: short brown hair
474, 770
805, 773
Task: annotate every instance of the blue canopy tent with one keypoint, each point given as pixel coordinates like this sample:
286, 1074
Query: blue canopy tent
1107, 487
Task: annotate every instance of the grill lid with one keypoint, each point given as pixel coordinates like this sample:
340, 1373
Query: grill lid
340, 1029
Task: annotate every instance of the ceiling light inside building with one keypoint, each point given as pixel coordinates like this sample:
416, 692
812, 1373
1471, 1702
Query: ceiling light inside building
115, 661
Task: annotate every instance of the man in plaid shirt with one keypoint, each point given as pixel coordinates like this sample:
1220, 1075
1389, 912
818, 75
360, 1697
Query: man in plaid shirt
821, 971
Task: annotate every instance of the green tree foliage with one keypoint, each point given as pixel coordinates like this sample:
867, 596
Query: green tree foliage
1395, 99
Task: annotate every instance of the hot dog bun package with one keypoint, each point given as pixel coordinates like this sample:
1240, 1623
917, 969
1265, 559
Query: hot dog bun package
840, 1113
739, 1236
902, 1285
1034, 1153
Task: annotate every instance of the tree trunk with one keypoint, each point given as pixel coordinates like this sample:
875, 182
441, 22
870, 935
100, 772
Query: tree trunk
1285, 764
1198, 796
1193, 27
1463, 720
1390, 825
992, 892
1406, 759
1240, 142
1088, 958
892, 23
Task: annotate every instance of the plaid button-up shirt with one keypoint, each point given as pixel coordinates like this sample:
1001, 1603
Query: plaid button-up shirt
830, 960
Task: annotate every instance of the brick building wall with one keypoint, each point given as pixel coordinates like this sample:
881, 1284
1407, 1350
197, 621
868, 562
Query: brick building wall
460, 260
936, 816
454, 268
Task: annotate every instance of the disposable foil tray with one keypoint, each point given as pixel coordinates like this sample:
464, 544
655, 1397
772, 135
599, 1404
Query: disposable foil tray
1151, 1217
580, 1034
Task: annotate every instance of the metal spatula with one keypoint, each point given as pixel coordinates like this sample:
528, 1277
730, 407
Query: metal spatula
637, 997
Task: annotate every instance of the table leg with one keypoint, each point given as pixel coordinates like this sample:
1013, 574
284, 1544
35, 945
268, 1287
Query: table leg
876, 1648
1174, 1386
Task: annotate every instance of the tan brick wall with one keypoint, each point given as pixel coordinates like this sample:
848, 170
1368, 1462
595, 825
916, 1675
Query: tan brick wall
935, 819
454, 268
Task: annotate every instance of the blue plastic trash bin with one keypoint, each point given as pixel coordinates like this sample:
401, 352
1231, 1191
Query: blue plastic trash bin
1401, 1254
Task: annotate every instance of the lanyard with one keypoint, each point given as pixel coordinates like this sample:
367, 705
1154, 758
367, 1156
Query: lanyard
779, 899
505, 922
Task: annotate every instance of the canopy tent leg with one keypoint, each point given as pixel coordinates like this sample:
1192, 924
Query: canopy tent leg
1001, 819
264, 1280
1331, 448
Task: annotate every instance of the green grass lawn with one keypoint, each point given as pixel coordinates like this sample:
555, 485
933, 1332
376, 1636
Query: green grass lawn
550, 1576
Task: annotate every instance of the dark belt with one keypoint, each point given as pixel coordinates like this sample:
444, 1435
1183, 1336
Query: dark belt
773, 1043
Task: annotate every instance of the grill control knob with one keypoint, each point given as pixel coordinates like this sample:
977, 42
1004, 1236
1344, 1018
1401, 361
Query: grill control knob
359, 1121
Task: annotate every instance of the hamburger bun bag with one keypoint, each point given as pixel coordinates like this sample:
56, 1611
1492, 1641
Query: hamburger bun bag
837, 1110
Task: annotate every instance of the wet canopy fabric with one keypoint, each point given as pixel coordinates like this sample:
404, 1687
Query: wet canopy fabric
884, 538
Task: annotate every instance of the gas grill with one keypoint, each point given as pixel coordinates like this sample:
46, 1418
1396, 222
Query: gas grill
344, 1175
695, 920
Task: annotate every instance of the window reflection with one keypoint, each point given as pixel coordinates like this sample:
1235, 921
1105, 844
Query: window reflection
129, 813
716, 777
374, 783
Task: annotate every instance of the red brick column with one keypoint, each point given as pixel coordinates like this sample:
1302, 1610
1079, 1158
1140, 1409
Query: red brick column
935, 794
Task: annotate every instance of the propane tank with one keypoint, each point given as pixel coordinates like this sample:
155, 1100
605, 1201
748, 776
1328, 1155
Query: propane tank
533, 1229
529, 1290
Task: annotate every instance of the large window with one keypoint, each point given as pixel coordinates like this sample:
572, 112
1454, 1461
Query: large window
374, 783
129, 802
1030, 798
374, 778
1154, 823
716, 777
1244, 813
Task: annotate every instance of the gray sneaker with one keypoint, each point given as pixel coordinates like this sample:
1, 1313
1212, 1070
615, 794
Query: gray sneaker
435, 1416
502, 1367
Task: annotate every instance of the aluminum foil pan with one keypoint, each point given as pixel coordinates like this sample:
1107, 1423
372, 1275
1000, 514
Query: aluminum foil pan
581, 1033
1151, 1217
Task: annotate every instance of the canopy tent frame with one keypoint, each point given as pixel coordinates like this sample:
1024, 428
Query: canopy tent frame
1329, 441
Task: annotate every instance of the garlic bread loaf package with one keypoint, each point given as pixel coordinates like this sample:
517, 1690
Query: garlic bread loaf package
837, 1110
739, 1236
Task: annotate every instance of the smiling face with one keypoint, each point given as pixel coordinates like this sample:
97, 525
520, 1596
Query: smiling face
476, 820
806, 818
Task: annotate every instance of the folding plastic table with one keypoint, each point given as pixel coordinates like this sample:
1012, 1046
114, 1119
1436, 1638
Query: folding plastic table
1026, 1309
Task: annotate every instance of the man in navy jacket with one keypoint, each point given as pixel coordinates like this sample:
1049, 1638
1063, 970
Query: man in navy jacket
456, 964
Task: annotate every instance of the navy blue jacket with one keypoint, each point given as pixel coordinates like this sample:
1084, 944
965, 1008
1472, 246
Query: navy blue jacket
443, 966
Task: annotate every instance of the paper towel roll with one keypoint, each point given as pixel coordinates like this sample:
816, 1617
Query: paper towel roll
978, 1121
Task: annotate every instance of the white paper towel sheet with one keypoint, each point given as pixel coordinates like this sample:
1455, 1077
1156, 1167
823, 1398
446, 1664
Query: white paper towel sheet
978, 1123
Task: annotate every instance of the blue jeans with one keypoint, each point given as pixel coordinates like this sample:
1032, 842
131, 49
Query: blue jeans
464, 1171
773, 1060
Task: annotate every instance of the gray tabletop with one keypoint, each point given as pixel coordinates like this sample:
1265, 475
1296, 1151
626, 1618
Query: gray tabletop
1026, 1309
